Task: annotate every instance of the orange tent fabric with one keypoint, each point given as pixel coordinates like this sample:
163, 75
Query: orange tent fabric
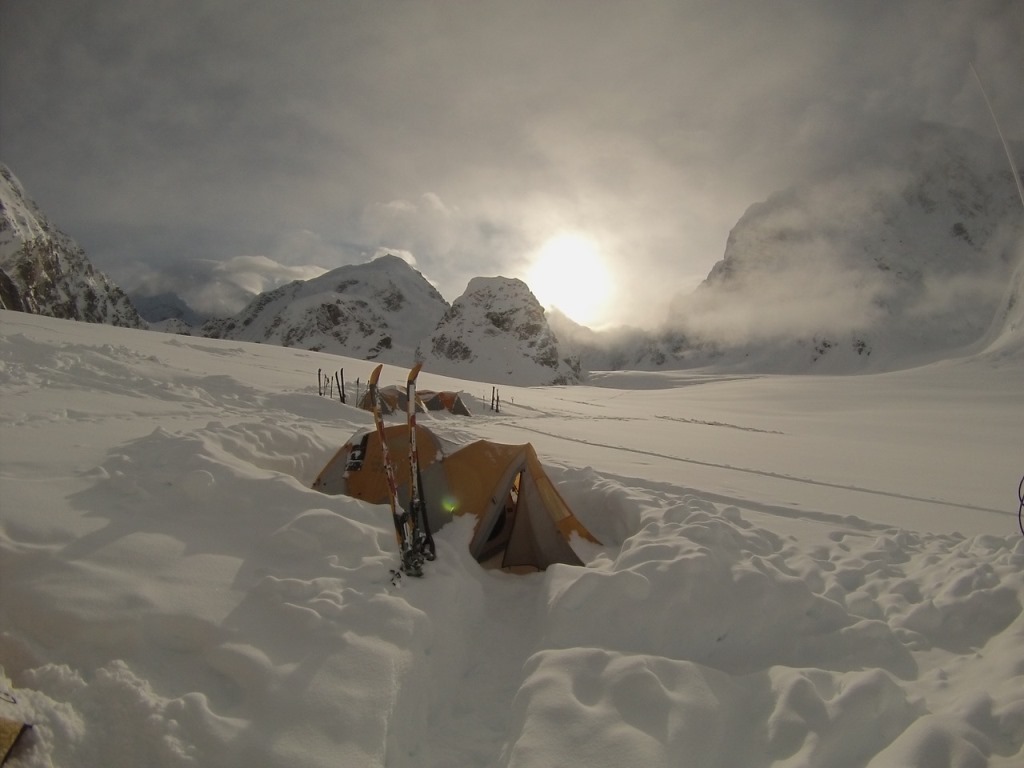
522, 520
392, 398
444, 401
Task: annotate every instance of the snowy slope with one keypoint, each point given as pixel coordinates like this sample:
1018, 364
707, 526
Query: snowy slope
796, 571
1005, 338
377, 311
44, 271
497, 332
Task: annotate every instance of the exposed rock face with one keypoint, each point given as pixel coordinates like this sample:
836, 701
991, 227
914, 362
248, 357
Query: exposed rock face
497, 331
377, 311
43, 271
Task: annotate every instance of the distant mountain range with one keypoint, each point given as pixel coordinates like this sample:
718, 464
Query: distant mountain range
905, 257
387, 311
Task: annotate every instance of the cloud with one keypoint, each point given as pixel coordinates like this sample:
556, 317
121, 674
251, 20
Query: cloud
219, 288
425, 224
466, 134
303, 247
918, 246
813, 293
447, 243
256, 274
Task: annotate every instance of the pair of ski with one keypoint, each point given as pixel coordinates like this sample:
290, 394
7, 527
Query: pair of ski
415, 543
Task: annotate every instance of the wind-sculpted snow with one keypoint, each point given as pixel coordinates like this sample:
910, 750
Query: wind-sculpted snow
173, 593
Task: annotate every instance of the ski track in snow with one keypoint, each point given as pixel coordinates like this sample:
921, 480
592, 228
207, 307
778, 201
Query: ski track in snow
721, 424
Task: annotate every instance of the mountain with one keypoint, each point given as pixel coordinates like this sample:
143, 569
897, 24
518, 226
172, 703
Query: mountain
379, 310
45, 272
497, 331
385, 310
158, 308
897, 261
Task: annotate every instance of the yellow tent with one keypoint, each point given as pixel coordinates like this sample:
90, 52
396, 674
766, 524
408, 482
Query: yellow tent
522, 520
444, 401
10, 732
392, 399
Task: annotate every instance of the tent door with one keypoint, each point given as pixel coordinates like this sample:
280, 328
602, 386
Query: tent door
493, 551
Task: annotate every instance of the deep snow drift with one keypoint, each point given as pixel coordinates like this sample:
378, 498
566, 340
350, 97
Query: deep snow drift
796, 571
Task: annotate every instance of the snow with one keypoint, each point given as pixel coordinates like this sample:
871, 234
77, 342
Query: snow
795, 571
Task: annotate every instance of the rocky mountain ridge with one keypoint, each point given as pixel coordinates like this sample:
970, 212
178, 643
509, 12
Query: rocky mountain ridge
498, 328
379, 310
387, 311
44, 271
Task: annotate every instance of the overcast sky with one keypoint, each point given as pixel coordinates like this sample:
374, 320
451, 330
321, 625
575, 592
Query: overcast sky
179, 139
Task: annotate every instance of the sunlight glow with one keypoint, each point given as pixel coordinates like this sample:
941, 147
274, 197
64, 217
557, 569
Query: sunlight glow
569, 273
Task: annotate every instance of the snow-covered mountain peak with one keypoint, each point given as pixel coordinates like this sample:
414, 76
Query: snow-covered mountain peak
497, 331
377, 310
386, 310
21, 220
44, 271
500, 293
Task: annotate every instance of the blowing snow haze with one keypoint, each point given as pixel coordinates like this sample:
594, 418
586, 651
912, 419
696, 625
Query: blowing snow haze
224, 148
912, 249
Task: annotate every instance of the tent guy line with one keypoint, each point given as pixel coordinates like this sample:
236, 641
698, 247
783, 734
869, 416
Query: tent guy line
767, 473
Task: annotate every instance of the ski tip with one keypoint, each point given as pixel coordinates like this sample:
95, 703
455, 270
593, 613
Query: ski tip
375, 375
414, 371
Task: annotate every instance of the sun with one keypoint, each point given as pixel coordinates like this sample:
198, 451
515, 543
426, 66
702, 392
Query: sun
568, 272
